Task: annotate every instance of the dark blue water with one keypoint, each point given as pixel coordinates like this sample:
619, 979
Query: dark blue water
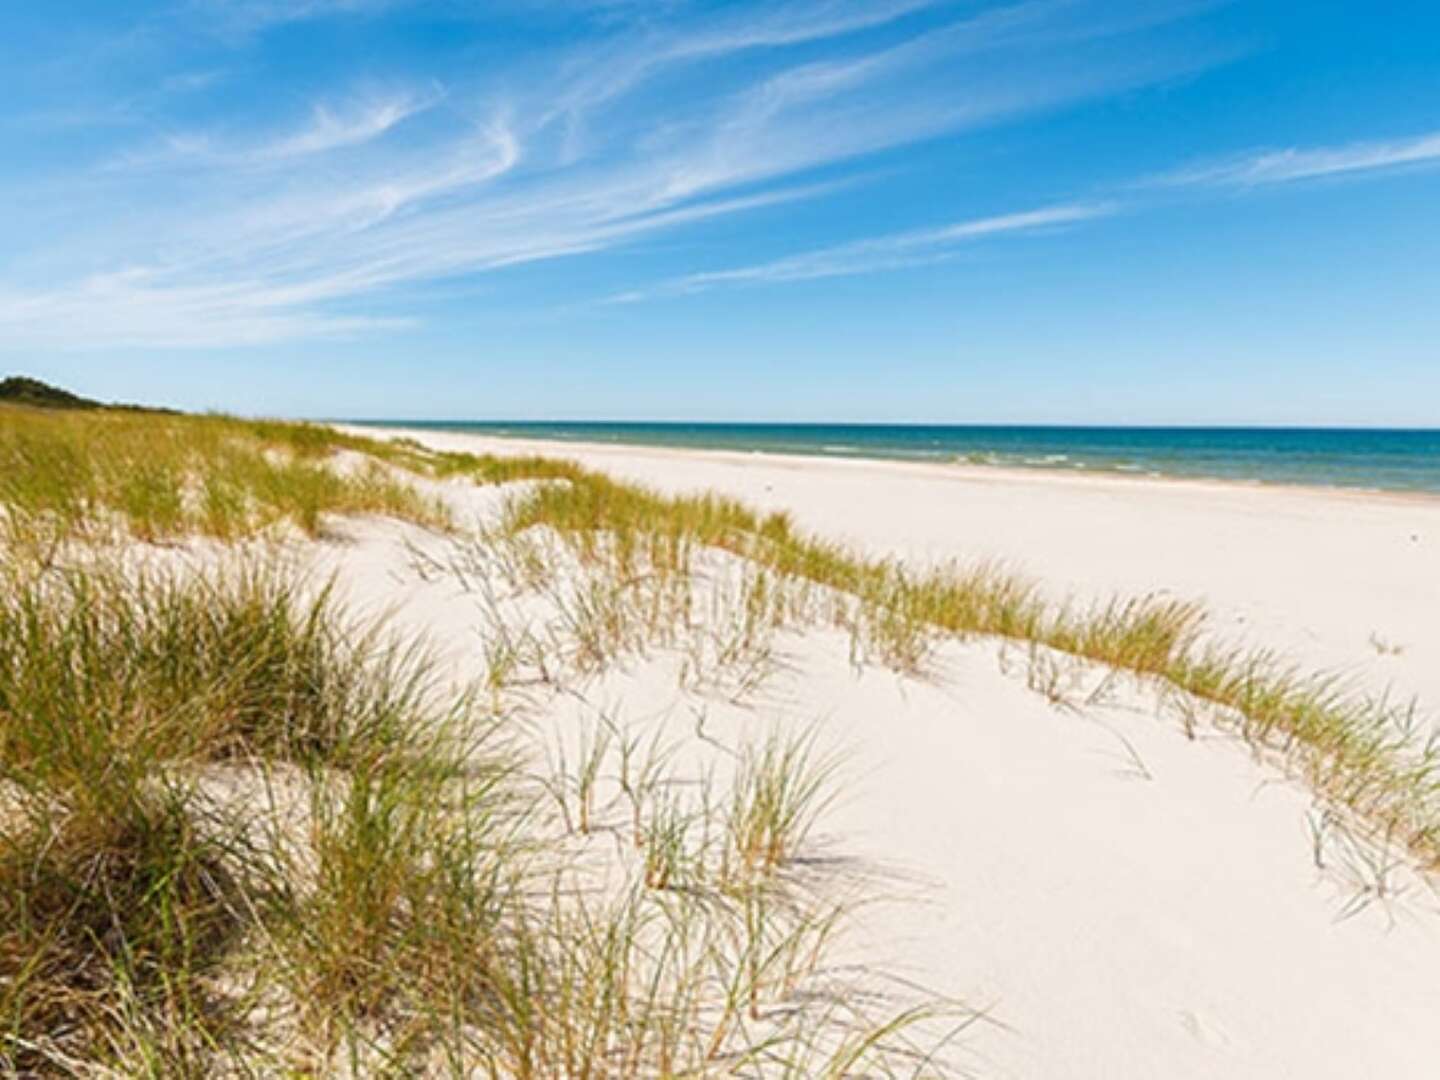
1387, 460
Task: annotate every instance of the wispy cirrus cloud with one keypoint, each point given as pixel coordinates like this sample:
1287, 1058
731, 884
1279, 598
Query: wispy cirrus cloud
143, 306
1310, 163
894, 252
329, 126
280, 232
638, 57
332, 128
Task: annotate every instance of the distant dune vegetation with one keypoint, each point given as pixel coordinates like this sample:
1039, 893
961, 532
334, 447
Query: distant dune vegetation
23, 390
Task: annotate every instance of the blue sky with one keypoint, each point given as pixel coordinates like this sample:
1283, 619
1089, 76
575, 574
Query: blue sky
1086, 211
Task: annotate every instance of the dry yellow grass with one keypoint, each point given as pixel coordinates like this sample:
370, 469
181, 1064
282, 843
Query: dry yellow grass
89, 476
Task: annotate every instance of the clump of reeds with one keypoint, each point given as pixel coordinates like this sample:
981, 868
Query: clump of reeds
410, 862
122, 888
115, 912
141, 665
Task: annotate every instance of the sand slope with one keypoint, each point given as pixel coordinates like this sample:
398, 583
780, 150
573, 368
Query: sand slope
1338, 579
1119, 899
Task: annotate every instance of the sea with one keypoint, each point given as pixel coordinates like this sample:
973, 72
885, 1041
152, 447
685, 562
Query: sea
1376, 459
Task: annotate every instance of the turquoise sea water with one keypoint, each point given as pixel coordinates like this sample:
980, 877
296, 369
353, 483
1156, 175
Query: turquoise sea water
1379, 459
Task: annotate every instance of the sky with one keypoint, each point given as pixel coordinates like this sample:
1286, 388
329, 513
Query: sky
1049, 211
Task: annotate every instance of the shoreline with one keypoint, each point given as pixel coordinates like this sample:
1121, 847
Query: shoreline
968, 470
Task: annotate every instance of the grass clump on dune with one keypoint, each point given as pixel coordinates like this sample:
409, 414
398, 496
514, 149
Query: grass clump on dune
116, 911
123, 888
192, 668
83, 475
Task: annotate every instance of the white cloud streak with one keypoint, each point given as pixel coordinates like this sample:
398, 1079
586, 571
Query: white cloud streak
895, 252
330, 129
1294, 164
330, 126
260, 238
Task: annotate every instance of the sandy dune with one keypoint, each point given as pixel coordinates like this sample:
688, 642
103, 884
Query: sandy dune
1344, 581
1118, 899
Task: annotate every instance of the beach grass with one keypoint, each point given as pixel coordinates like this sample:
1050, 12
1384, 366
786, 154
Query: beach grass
89, 476
71, 474
241, 829
401, 918
1364, 754
780, 791
244, 833
123, 887
1367, 755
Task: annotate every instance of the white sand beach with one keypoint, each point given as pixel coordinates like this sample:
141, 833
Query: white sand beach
1343, 581
1116, 897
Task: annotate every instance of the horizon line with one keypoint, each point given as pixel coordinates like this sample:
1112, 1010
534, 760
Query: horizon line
1064, 425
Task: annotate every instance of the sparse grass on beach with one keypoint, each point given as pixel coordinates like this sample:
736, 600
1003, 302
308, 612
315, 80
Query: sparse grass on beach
1366, 755
781, 788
